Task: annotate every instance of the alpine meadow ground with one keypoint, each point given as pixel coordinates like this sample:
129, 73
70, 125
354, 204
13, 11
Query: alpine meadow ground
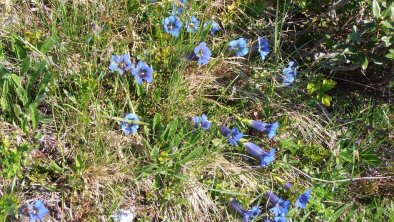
252, 110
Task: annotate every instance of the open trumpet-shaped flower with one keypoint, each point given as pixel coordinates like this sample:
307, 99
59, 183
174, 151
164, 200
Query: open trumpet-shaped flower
38, 211
246, 214
239, 46
202, 53
121, 63
269, 129
202, 122
130, 127
142, 72
234, 137
281, 207
213, 26
263, 47
225, 131
303, 199
192, 24
289, 74
172, 25
264, 157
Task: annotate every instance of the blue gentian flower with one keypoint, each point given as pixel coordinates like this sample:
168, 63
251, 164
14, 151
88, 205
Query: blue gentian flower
202, 122
203, 53
288, 186
179, 10
234, 136
239, 46
280, 219
127, 127
269, 129
38, 211
246, 214
142, 72
281, 207
264, 157
289, 74
121, 63
192, 24
172, 25
225, 131
214, 26
263, 47
303, 199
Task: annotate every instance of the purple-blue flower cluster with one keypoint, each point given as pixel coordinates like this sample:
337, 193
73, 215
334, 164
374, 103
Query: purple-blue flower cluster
263, 47
233, 136
203, 53
37, 211
303, 199
213, 26
247, 215
141, 71
192, 24
130, 124
121, 63
201, 122
289, 74
239, 47
257, 152
172, 25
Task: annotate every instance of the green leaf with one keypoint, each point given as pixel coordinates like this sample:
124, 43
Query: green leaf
4, 101
156, 121
346, 155
195, 137
326, 100
370, 158
289, 144
387, 24
174, 127
18, 47
25, 66
34, 115
155, 152
140, 89
34, 76
376, 9
157, 95
339, 211
327, 85
355, 35
1, 51
192, 155
48, 43
55, 167
365, 63
79, 164
41, 90
16, 80
390, 55
20, 91
17, 110
312, 87
43, 118
388, 40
